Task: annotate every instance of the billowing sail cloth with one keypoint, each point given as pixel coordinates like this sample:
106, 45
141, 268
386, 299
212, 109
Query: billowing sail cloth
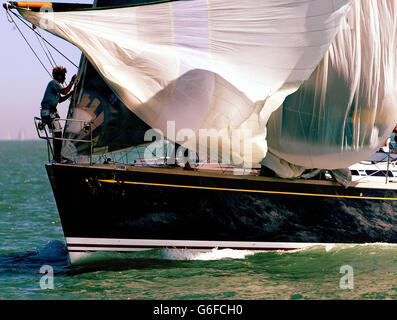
348, 107
188, 68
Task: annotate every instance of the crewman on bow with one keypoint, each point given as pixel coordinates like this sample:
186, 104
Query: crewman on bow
53, 95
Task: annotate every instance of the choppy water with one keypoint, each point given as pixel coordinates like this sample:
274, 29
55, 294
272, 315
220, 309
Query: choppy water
31, 236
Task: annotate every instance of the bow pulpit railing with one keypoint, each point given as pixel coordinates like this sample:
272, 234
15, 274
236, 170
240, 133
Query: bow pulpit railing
42, 132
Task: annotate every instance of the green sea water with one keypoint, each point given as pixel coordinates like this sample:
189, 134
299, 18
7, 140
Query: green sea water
31, 237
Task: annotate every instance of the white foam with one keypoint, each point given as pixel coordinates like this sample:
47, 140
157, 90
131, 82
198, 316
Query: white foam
214, 254
341, 246
207, 255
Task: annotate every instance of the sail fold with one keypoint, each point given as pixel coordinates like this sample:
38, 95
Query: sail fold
348, 108
220, 65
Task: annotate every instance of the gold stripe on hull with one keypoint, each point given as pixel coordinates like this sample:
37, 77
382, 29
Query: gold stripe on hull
248, 190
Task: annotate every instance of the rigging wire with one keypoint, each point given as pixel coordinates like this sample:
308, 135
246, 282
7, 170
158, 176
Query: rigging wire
27, 42
45, 40
47, 48
45, 52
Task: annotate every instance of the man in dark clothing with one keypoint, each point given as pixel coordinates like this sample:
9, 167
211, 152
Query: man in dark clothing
53, 95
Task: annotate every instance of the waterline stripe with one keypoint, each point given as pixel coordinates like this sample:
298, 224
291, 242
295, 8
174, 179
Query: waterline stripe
108, 244
247, 190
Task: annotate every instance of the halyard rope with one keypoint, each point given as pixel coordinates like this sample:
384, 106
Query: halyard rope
46, 52
27, 42
38, 35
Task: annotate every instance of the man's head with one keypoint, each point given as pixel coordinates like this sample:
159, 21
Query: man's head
59, 74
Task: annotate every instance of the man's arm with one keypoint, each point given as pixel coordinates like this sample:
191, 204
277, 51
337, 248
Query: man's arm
67, 89
65, 97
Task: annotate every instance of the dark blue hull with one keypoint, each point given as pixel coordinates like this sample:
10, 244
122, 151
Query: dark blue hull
102, 208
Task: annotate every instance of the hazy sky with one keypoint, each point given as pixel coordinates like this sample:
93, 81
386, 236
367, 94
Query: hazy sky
23, 79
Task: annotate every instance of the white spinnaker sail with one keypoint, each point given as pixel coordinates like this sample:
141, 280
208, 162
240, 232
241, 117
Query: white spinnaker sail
348, 107
222, 65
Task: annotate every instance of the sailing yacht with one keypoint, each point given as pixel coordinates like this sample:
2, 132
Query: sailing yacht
287, 89
21, 135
